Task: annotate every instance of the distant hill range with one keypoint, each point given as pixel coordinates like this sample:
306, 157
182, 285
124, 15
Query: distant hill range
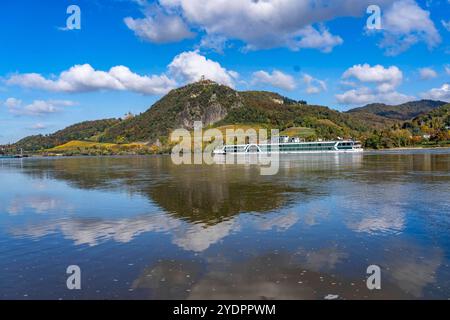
219, 106
403, 112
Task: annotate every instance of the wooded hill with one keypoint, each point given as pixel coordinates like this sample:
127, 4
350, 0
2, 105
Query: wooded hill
218, 105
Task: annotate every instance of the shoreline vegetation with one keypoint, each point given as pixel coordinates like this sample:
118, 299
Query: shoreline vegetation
416, 124
125, 151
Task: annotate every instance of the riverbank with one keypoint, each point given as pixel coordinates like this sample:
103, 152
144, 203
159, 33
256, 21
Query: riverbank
168, 153
409, 148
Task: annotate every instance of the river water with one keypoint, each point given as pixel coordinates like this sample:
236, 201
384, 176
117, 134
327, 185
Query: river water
145, 228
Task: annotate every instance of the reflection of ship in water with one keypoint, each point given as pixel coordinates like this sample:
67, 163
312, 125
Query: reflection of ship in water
302, 162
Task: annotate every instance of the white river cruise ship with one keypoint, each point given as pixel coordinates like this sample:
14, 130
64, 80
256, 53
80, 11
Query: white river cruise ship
293, 147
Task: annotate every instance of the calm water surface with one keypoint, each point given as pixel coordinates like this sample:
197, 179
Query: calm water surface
141, 227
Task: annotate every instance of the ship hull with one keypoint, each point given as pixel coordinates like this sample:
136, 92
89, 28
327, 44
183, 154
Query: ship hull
292, 152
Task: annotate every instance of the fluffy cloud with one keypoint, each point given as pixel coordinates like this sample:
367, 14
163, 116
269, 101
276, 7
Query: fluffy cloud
442, 93
84, 78
427, 73
78, 78
12, 103
214, 43
276, 79
366, 95
191, 66
384, 82
313, 86
404, 24
385, 78
268, 23
159, 27
37, 107
153, 84
323, 40
186, 67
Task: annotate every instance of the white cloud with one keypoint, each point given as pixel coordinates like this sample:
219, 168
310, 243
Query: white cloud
37, 107
313, 85
356, 96
38, 126
78, 78
268, 23
84, 78
190, 66
314, 39
186, 67
159, 27
214, 43
143, 84
366, 95
12, 103
442, 93
384, 83
404, 24
276, 79
427, 73
385, 78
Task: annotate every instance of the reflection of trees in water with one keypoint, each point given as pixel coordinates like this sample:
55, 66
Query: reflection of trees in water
208, 194
219, 196
394, 167
89, 172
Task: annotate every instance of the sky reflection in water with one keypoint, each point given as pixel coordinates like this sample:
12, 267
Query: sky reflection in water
145, 228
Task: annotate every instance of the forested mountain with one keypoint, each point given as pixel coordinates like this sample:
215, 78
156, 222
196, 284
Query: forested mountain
215, 104
405, 111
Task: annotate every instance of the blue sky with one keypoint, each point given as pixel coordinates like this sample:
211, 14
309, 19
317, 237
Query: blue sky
128, 53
